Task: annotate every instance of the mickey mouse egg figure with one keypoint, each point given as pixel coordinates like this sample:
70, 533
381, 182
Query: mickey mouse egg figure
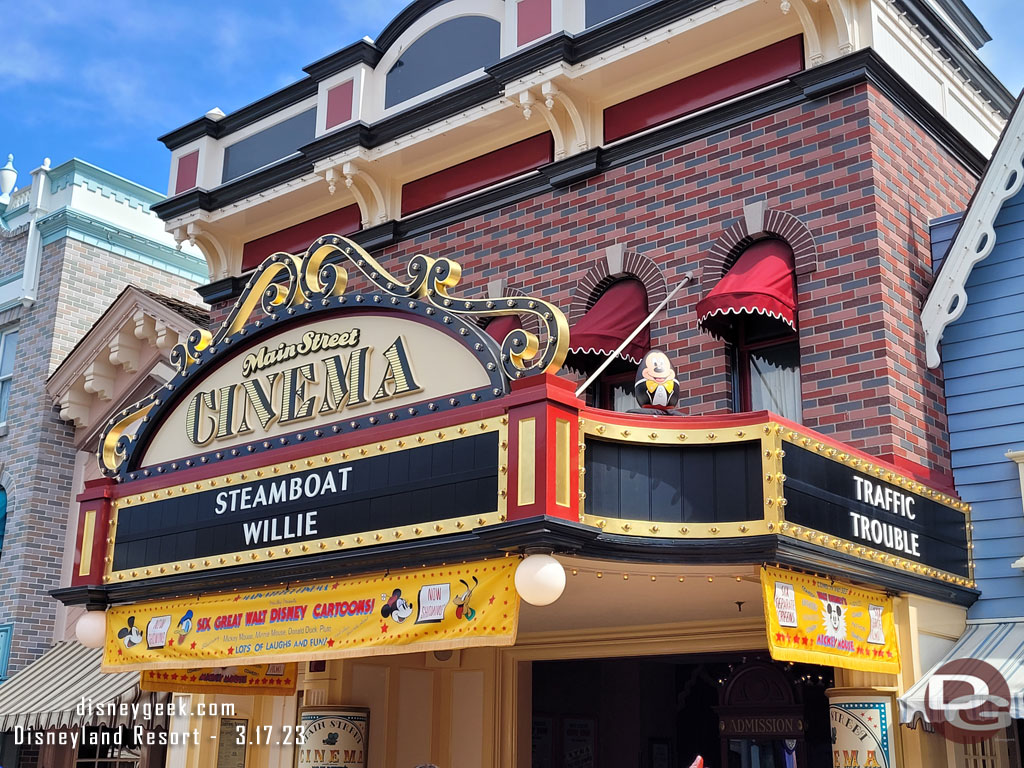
656, 386
540, 578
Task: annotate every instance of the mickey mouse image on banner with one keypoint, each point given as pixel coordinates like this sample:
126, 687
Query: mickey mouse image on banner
656, 386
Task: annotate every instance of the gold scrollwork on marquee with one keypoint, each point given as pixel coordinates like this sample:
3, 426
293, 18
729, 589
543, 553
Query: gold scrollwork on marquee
284, 282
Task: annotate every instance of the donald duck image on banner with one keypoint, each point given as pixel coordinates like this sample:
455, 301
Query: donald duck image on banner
656, 385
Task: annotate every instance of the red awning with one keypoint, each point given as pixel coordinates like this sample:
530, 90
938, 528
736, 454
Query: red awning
760, 282
617, 313
501, 326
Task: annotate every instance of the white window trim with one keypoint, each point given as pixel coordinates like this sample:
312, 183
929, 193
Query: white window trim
492, 9
4, 333
1018, 456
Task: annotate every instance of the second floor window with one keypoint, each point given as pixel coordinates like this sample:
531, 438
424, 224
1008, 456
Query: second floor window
8, 345
753, 307
450, 50
3, 516
615, 314
766, 356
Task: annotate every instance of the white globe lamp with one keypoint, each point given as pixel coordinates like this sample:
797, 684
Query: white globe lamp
91, 629
540, 579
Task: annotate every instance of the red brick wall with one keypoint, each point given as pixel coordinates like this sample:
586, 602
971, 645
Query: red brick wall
851, 167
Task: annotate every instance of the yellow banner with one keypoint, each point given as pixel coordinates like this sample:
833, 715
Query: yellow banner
245, 680
425, 609
819, 621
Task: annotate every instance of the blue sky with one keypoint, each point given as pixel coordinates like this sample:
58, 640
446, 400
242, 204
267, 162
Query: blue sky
101, 79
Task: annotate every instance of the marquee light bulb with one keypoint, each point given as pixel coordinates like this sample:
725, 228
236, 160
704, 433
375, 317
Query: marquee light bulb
91, 629
540, 579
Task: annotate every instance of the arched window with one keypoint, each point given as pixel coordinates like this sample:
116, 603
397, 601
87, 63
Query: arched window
450, 50
754, 308
602, 10
620, 308
3, 516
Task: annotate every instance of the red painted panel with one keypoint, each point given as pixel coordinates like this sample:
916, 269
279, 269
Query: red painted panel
95, 497
480, 172
339, 104
188, 172
296, 239
533, 20
732, 78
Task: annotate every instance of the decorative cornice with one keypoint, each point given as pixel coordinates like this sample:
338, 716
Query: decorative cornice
856, 68
113, 320
11, 215
848, 72
975, 238
358, 134
102, 234
965, 19
77, 172
189, 132
932, 27
560, 47
583, 165
11, 291
361, 52
573, 49
405, 19
247, 115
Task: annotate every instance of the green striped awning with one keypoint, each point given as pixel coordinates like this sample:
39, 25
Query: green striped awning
47, 694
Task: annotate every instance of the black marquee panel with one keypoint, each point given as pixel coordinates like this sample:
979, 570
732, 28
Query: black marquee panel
674, 484
822, 494
456, 478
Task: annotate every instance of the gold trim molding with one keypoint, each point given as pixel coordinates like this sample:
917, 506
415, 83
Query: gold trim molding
773, 438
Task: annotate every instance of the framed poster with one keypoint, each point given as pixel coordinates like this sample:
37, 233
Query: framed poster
578, 742
862, 725
231, 740
334, 737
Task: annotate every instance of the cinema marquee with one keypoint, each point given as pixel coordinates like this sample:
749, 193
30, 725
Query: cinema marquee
352, 468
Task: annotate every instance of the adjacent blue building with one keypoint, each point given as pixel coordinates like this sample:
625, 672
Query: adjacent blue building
974, 327
976, 308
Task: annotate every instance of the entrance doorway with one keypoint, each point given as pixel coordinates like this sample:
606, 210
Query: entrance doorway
661, 712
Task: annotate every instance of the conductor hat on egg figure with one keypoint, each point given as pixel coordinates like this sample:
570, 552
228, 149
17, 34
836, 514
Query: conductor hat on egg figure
656, 385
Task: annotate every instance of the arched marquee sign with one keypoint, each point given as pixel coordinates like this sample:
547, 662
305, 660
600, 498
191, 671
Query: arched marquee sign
236, 457
299, 357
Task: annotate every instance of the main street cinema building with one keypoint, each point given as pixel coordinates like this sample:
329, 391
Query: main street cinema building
419, 251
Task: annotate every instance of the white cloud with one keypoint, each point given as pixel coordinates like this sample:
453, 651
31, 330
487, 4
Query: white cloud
23, 62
